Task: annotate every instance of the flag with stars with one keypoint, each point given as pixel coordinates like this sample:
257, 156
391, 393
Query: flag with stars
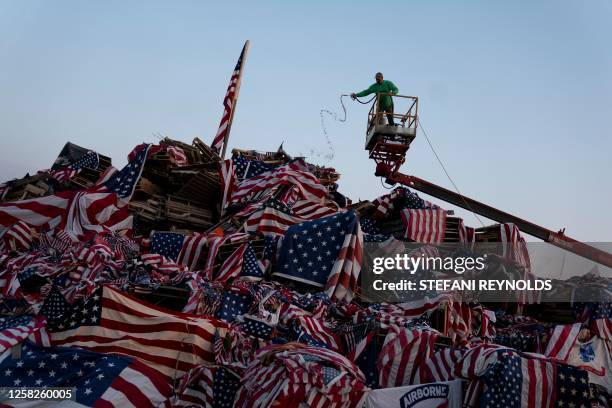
124, 182
97, 379
235, 302
110, 321
64, 174
251, 266
300, 376
325, 253
229, 104
207, 386
572, 387
518, 381
257, 327
271, 219
168, 244
245, 168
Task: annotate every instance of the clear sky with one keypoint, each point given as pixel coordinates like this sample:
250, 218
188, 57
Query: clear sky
516, 96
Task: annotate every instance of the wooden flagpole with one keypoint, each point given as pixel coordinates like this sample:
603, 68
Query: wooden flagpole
235, 101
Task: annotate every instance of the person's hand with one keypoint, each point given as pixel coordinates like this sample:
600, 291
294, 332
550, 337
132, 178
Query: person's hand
353, 96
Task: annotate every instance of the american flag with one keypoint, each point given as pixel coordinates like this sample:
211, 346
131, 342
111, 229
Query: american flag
562, 340
284, 376
311, 210
357, 337
467, 235
325, 253
441, 366
97, 212
293, 173
112, 322
207, 386
459, 321
124, 181
272, 219
60, 240
168, 244
519, 381
214, 243
64, 174
515, 249
74, 211
603, 328
193, 251
14, 330
513, 245
235, 302
41, 211
179, 156
19, 236
320, 331
384, 204
229, 103
403, 356
426, 226
246, 168
97, 379
233, 264
397, 199
257, 327
187, 250
251, 266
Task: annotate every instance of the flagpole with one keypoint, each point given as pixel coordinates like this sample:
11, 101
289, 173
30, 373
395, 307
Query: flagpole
235, 101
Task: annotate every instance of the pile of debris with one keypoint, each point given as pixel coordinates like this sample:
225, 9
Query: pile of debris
189, 280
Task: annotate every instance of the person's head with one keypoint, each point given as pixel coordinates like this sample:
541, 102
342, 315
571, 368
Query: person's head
379, 77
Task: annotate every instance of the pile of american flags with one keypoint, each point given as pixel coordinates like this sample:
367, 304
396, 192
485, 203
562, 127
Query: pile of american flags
261, 308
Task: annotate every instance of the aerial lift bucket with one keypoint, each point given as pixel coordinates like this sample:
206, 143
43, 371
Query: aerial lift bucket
387, 144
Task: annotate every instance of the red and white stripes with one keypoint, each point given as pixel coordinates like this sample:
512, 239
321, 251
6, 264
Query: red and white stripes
562, 340
426, 226
403, 356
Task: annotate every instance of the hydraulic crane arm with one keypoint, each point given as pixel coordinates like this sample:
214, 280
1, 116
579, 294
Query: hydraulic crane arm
387, 146
555, 238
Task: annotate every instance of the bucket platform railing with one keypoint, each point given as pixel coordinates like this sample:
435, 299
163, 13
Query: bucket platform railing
387, 144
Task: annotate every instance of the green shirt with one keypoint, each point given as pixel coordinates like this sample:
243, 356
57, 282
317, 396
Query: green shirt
385, 87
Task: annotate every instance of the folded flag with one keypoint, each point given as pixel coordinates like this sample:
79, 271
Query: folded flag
324, 253
110, 321
100, 380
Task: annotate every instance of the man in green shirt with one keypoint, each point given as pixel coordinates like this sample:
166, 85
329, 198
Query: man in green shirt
386, 102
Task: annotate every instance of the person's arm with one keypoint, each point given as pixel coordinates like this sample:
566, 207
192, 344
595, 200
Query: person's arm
365, 92
394, 89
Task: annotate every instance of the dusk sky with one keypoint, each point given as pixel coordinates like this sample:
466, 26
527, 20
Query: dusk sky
515, 96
